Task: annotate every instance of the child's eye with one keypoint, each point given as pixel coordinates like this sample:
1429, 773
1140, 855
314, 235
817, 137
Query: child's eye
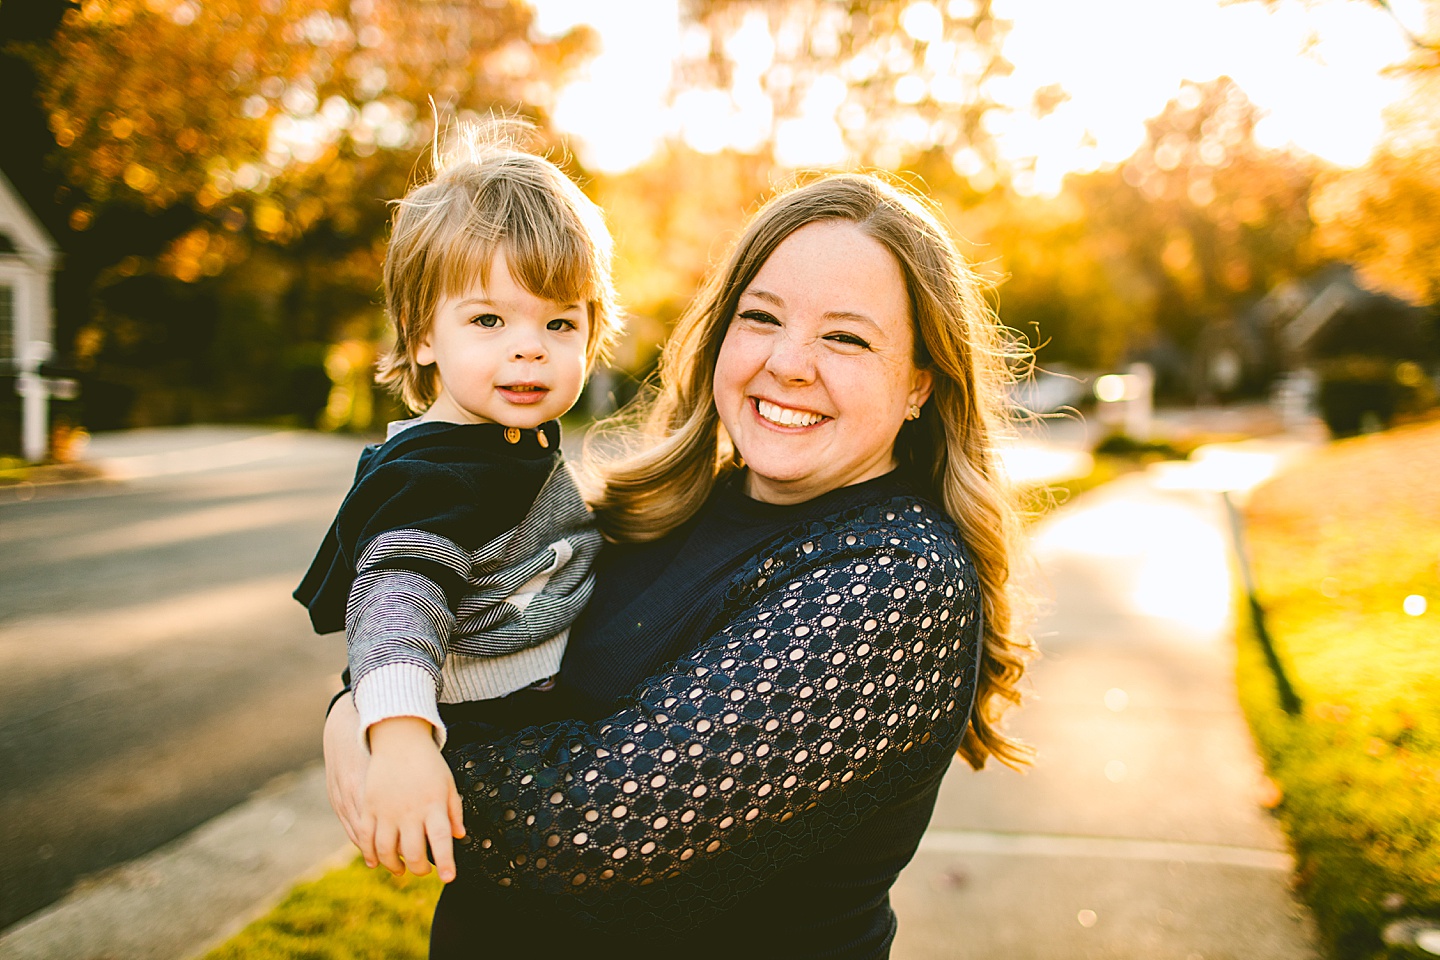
560, 323
849, 339
759, 316
486, 320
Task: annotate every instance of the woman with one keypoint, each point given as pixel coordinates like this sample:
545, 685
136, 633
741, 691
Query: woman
803, 615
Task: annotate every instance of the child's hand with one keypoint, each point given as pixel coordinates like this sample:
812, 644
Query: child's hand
410, 798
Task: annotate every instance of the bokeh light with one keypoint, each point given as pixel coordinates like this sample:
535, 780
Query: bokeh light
1317, 70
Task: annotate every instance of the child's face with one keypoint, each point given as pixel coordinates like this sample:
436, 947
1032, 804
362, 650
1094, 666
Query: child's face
504, 355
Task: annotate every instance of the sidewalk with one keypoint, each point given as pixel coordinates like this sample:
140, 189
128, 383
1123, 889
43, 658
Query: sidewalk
1139, 834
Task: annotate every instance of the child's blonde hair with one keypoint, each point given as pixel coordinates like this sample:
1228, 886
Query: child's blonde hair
488, 194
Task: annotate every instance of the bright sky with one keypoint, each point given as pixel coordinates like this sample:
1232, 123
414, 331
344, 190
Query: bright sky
1315, 67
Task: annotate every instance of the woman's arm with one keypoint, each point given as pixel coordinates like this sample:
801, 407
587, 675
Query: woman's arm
845, 679
346, 763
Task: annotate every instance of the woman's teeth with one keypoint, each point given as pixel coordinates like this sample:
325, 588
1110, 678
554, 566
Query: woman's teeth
784, 416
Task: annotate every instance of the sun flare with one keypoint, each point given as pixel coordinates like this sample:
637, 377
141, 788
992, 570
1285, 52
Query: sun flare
1316, 69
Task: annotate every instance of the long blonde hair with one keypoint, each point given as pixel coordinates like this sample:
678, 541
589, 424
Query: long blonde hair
683, 450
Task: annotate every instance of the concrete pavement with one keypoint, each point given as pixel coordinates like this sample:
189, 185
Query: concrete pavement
1139, 834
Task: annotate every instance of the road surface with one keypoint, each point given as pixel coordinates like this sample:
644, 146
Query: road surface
154, 671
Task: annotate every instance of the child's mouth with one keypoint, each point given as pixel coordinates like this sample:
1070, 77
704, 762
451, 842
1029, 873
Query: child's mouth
523, 392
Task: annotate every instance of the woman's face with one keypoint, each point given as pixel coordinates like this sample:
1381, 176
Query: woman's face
817, 368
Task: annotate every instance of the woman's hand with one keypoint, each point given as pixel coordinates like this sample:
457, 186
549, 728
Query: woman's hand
346, 763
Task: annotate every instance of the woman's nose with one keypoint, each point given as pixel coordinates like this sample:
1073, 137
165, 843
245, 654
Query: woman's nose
791, 360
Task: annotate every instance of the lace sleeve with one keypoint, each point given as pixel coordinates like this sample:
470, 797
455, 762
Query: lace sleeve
843, 675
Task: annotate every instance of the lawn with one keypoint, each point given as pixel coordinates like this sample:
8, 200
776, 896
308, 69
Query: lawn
353, 913
1338, 545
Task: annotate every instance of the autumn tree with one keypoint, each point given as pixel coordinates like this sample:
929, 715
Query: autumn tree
1385, 216
1207, 218
227, 166
674, 217
764, 88
1077, 297
822, 82
170, 101
1144, 257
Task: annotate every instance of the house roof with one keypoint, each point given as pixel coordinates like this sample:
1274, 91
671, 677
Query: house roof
1342, 317
26, 235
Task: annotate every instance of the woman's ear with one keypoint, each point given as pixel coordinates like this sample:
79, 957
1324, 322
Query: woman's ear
921, 384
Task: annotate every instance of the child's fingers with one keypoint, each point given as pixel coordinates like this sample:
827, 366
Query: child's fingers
387, 848
412, 847
437, 829
456, 810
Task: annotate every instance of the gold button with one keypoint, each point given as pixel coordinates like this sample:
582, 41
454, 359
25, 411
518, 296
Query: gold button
512, 434
541, 439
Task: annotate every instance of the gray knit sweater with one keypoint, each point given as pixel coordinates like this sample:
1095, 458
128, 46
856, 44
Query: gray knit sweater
462, 553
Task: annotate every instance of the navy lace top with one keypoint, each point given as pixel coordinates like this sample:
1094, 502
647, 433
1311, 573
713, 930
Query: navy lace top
810, 668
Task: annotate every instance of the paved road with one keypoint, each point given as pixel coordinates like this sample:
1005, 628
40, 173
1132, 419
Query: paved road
153, 670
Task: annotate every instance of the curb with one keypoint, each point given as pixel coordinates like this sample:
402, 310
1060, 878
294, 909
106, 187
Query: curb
20, 485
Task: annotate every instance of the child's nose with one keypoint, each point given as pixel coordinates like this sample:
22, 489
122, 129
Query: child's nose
529, 347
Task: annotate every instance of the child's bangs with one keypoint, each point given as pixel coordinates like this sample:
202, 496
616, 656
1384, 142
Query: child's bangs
465, 261
548, 264
554, 264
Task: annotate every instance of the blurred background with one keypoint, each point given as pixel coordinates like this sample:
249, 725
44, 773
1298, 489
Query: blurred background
1242, 195
1216, 222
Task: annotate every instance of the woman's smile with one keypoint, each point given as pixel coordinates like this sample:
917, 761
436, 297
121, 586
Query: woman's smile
789, 417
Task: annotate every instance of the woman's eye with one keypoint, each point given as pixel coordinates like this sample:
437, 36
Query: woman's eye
486, 320
560, 323
758, 316
849, 339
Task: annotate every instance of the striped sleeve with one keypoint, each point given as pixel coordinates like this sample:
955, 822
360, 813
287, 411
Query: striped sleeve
397, 625
419, 598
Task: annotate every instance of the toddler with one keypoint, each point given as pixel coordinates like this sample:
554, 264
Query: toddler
462, 553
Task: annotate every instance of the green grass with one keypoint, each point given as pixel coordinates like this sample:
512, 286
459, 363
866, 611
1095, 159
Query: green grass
352, 913
1337, 546
14, 471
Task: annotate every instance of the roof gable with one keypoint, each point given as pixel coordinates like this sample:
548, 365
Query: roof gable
30, 239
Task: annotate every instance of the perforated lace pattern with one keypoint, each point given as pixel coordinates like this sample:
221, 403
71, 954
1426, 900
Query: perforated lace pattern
843, 675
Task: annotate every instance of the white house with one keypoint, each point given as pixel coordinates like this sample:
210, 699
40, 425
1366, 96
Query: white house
28, 258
